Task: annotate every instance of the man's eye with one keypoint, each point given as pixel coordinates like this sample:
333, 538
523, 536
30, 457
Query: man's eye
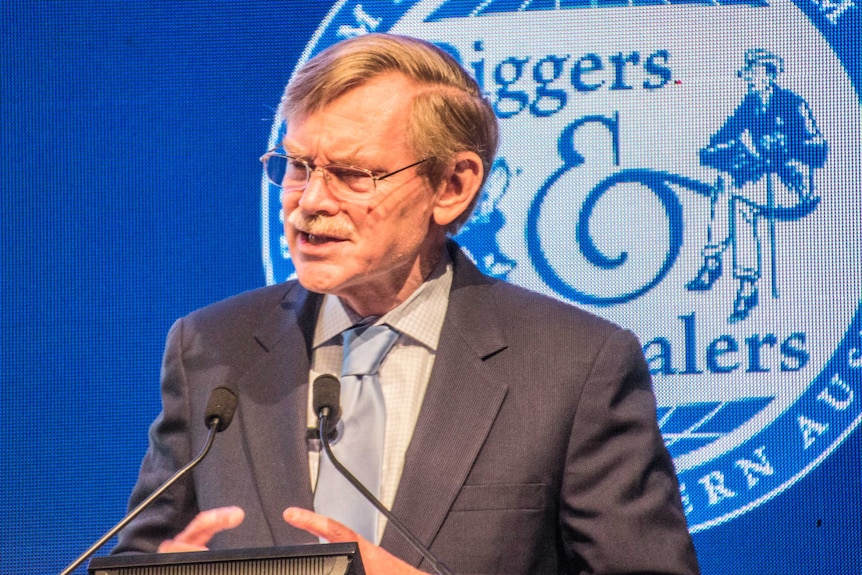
348, 175
295, 168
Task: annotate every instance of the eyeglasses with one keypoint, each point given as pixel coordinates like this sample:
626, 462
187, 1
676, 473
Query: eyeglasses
343, 181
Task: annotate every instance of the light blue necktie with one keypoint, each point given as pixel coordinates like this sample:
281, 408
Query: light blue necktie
359, 445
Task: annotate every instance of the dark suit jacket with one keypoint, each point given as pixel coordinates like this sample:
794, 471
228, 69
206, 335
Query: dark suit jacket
536, 450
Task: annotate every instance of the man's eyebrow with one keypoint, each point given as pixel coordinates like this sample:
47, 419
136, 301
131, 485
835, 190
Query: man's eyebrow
345, 160
292, 150
348, 160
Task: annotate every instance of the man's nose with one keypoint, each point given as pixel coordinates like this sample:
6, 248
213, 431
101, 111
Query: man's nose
316, 197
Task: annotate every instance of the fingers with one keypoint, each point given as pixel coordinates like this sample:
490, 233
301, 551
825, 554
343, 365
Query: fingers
174, 546
208, 523
197, 534
319, 526
377, 561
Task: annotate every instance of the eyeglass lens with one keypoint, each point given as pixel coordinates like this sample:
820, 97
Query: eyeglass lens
291, 173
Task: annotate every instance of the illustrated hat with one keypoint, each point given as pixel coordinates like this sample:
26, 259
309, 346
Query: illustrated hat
762, 56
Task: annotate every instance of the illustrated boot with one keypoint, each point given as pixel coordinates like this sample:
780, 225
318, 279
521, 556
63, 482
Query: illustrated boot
708, 273
746, 300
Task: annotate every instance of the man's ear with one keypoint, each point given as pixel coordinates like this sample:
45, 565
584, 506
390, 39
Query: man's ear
459, 188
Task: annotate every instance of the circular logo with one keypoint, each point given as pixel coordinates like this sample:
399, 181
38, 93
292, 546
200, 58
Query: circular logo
684, 170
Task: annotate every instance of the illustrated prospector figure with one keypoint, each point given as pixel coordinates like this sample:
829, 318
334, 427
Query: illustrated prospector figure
771, 135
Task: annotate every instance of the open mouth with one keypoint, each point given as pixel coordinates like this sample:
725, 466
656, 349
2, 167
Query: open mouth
316, 239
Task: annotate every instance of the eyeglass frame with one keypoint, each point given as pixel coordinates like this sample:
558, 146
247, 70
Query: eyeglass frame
311, 168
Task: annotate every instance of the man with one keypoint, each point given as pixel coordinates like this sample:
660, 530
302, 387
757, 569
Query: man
771, 132
520, 433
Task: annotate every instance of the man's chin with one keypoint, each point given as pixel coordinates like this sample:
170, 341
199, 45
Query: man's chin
317, 277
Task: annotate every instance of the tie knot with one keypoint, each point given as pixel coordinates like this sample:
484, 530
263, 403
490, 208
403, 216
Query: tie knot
365, 347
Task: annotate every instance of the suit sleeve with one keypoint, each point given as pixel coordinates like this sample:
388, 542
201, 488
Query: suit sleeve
169, 449
620, 505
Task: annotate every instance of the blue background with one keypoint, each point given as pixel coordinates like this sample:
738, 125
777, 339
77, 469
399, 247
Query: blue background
129, 187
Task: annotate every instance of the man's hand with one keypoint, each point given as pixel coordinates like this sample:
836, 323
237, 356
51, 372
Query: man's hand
375, 559
197, 534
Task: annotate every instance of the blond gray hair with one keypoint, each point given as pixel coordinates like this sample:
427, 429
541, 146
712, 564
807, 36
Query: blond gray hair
449, 113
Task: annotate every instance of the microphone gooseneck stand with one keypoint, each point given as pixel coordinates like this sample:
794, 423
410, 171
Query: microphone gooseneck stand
219, 413
146, 502
438, 566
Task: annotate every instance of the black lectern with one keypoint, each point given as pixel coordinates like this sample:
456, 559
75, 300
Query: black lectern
330, 559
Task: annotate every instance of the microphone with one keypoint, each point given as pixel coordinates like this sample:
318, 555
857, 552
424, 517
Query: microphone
219, 413
326, 395
220, 409
326, 398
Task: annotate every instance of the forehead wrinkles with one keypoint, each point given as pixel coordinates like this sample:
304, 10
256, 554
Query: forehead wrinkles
367, 123
360, 153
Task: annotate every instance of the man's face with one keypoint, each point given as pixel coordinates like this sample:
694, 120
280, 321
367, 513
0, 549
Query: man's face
365, 251
757, 77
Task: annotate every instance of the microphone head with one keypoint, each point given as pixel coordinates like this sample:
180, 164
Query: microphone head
221, 406
326, 392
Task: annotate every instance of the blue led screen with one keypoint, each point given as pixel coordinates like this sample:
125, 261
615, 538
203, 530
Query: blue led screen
131, 194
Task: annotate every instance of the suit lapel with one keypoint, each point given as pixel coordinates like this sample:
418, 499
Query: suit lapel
273, 411
460, 405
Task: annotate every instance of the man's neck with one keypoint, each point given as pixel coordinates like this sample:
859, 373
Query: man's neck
765, 95
377, 301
